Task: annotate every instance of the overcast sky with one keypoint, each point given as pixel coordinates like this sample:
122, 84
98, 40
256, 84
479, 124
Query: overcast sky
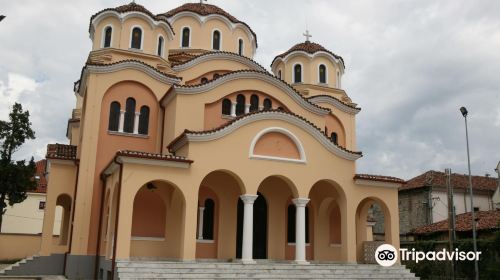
410, 65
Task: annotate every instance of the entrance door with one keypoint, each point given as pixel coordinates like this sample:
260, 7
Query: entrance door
259, 228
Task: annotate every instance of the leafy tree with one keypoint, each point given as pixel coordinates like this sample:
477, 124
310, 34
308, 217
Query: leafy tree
16, 177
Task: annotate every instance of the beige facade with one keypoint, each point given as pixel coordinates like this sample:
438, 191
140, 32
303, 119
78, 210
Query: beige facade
197, 152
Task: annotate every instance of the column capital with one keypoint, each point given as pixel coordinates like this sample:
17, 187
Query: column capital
300, 202
248, 198
137, 113
201, 208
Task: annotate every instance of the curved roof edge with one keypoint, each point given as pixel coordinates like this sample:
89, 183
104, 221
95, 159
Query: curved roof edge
336, 103
313, 130
218, 54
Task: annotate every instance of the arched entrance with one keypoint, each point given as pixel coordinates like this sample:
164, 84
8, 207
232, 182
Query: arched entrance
372, 216
259, 244
218, 195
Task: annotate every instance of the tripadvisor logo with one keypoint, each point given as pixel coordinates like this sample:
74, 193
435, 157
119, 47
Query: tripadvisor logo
386, 255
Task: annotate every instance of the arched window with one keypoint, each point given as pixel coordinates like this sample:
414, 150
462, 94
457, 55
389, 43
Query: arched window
240, 104
291, 223
159, 52
226, 107
268, 104
186, 35
297, 73
254, 103
216, 40
279, 74
204, 80
136, 40
334, 137
128, 125
114, 116
208, 220
108, 31
216, 75
322, 74
144, 120
240, 46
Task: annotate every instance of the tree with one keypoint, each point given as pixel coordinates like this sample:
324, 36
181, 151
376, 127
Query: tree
16, 177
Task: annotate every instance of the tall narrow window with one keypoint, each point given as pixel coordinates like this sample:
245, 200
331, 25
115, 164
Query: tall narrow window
254, 103
297, 73
114, 116
208, 220
204, 80
186, 34
159, 52
136, 39
216, 40
268, 104
322, 74
226, 107
240, 104
144, 120
128, 125
107, 36
338, 79
279, 74
240, 46
334, 137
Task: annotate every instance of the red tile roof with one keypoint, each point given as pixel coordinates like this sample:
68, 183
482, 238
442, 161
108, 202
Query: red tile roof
61, 151
205, 10
308, 47
131, 7
458, 181
463, 222
380, 178
41, 184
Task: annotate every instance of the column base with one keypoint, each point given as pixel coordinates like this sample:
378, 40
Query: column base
301, 262
250, 261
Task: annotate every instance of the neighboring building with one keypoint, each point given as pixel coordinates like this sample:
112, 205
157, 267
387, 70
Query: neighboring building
27, 217
423, 200
487, 223
496, 195
179, 138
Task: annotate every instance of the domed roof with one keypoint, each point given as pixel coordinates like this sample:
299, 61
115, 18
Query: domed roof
205, 10
310, 48
131, 7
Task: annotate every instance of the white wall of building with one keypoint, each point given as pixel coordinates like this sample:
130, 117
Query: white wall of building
26, 217
440, 204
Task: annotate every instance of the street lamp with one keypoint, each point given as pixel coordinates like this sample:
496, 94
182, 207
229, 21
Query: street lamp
2, 17
464, 112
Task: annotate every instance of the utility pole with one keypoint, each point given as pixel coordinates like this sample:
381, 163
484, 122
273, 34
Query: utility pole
451, 219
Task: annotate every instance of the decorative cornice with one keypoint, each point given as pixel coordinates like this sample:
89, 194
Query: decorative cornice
219, 55
203, 136
124, 65
335, 102
246, 74
310, 56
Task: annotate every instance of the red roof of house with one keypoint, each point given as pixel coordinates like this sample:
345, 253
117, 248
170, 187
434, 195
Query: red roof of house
61, 151
41, 185
458, 181
463, 222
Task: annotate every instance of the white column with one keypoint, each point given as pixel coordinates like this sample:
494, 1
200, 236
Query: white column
261, 108
233, 109
200, 222
300, 230
247, 108
136, 122
246, 252
122, 121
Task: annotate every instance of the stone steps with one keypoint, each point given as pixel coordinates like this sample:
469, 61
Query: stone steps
227, 270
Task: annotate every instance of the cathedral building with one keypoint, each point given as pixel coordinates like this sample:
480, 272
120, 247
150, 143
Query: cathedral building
183, 148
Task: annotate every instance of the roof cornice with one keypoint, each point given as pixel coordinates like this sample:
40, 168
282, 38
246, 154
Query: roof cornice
336, 103
219, 55
203, 136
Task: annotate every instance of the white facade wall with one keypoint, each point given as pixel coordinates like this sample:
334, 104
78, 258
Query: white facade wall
440, 204
26, 217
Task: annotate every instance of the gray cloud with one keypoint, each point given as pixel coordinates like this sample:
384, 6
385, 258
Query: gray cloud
410, 66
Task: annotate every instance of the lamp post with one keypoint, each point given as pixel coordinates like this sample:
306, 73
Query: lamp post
464, 112
2, 17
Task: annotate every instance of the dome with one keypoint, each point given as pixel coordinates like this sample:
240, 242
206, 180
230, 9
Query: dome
205, 10
310, 48
131, 7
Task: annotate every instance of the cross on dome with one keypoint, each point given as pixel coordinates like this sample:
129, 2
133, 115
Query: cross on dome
307, 35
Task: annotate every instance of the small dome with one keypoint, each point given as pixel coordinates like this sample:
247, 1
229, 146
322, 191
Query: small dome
131, 7
205, 10
310, 48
